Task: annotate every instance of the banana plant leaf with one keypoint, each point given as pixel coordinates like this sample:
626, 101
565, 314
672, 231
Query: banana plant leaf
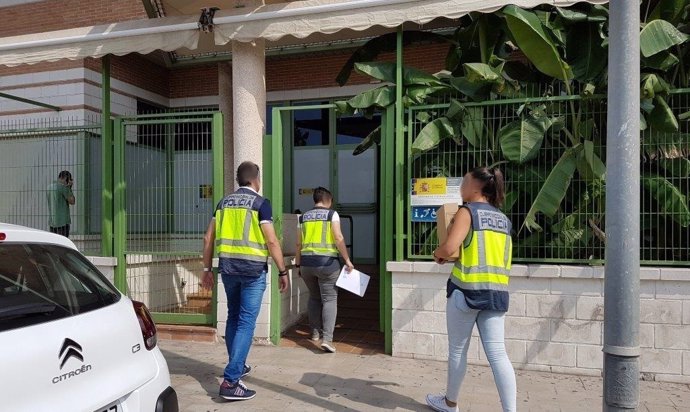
553, 191
662, 61
471, 120
473, 128
372, 138
480, 72
657, 144
670, 199
432, 134
385, 71
678, 167
658, 36
419, 94
589, 165
521, 139
585, 52
669, 10
529, 180
531, 37
653, 84
380, 97
370, 50
477, 91
596, 14
662, 118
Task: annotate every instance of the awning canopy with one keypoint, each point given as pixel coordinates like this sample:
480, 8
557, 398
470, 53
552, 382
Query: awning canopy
273, 22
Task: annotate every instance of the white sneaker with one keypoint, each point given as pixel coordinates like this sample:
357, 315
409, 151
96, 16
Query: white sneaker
328, 346
315, 335
438, 403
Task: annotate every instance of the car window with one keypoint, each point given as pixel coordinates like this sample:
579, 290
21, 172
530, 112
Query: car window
41, 283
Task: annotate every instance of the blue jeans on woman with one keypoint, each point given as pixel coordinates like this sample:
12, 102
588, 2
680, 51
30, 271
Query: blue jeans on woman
245, 294
460, 320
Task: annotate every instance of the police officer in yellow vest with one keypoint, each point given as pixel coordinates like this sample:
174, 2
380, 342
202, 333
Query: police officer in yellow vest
478, 286
317, 259
242, 231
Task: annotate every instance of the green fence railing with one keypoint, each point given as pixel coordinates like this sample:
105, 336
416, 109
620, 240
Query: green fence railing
575, 231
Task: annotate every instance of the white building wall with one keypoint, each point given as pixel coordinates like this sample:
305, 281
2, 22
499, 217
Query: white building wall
555, 321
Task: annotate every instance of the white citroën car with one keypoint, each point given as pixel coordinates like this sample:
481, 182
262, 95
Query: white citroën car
70, 341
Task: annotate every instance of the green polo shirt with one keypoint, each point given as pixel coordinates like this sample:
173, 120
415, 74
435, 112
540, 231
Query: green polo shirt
58, 208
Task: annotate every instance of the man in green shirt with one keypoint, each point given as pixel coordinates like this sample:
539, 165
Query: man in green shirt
60, 196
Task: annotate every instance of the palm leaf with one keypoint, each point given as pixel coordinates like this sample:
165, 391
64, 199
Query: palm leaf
658, 36
553, 191
670, 199
432, 134
532, 39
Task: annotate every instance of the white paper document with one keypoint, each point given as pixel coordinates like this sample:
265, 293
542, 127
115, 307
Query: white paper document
355, 281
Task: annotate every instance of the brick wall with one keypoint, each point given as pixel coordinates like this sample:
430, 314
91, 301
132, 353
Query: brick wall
194, 81
320, 69
64, 14
40, 67
555, 321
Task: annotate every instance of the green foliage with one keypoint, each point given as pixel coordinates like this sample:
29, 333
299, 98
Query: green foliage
545, 148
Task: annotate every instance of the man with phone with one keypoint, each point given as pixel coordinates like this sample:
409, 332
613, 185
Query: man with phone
60, 197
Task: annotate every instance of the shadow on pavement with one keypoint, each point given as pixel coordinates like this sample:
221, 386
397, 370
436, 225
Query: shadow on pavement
370, 393
324, 386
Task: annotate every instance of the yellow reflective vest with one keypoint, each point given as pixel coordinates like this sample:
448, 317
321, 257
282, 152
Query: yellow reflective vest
317, 233
238, 233
483, 270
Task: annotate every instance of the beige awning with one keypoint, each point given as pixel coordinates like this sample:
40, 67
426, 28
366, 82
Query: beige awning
331, 16
296, 20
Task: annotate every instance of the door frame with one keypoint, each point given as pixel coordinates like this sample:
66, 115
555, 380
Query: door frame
275, 146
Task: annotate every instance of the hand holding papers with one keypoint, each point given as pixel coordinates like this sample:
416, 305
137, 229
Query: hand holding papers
355, 281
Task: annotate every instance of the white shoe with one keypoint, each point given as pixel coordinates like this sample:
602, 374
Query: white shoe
328, 346
438, 403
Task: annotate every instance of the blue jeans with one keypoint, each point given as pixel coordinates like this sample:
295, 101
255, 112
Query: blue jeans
244, 301
460, 320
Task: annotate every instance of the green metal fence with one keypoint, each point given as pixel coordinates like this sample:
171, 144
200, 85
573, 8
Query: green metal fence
32, 154
575, 232
168, 179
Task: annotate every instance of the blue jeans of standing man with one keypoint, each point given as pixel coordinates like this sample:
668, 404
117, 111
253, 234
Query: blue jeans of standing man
460, 320
244, 301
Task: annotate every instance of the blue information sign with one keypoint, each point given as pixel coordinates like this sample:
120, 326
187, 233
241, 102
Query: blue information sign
424, 213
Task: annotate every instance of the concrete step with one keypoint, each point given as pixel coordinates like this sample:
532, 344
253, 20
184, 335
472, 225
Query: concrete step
198, 302
188, 333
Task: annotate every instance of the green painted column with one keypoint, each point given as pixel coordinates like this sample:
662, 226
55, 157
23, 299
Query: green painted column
276, 197
106, 162
387, 221
119, 212
399, 151
218, 146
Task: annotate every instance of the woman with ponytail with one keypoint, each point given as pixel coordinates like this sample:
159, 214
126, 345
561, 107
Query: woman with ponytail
477, 289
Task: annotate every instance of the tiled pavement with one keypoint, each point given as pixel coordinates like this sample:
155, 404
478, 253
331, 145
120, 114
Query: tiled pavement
299, 379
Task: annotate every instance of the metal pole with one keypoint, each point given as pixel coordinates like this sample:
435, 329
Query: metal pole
622, 279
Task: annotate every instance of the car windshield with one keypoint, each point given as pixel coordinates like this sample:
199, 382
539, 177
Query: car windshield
41, 283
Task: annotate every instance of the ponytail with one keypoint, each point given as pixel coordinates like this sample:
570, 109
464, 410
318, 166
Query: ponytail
493, 184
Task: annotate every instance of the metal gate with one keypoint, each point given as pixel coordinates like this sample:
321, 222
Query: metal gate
168, 177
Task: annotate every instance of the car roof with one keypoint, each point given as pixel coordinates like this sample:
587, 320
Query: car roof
23, 234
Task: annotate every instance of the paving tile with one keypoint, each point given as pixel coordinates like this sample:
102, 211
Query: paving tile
296, 379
